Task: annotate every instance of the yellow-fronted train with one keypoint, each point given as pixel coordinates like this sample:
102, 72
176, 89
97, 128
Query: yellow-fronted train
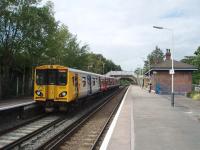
57, 86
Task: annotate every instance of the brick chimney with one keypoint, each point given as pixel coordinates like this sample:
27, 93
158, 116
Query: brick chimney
168, 54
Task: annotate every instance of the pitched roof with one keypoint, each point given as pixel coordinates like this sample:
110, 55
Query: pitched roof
167, 64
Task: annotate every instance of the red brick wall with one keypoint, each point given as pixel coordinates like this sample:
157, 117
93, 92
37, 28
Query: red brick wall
182, 81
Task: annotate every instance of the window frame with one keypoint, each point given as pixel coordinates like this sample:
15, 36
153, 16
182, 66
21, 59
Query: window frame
83, 81
59, 71
46, 75
93, 81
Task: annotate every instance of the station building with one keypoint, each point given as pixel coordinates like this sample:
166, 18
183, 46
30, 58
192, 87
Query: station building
160, 77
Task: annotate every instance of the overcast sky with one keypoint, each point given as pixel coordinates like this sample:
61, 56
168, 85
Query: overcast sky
122, 30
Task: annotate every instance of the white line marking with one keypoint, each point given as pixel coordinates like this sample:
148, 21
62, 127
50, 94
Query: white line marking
188, 112
15, 105
132, 128
113, 124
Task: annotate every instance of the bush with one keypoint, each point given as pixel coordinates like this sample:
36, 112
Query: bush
189, 94
194, 95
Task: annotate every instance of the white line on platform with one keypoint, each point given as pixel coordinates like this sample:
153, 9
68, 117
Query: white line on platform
132, 129
113, 124
15, 105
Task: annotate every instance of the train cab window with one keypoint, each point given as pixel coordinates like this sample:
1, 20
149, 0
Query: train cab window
84, 81
52, 76
62, 77
41, 77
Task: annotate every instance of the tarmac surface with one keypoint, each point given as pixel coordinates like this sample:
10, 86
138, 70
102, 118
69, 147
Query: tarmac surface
148, 122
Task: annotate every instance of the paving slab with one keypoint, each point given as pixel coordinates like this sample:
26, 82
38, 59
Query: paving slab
148, 122
188, 105
122, 137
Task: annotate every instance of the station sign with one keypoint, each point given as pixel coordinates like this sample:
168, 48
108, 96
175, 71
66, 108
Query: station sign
171, 71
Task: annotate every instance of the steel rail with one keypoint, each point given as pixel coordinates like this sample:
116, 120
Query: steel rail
22, 124
106, 124
18, 142
57, 140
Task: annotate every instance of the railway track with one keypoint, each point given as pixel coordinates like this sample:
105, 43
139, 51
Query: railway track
88, 131
23, 136
37, 134
13, 126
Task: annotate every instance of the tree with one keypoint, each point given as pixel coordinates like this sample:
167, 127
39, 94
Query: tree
137, 71
24, 29
99, 64
30, 36
155, 57
188, 60
194, 60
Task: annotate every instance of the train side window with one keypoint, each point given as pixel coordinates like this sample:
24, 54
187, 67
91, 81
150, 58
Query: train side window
93, 81
102, 81
84, 81
96, 80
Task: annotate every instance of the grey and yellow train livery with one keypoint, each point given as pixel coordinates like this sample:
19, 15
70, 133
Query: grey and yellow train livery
56, 85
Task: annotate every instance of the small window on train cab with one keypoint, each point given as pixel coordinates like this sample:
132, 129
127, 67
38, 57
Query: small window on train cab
84, 81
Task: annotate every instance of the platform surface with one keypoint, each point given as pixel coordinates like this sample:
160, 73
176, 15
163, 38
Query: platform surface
12, 103
148, 122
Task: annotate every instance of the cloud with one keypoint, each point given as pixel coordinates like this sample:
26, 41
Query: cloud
174, 14
122, 29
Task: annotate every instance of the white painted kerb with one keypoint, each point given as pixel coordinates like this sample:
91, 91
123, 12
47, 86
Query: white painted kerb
113, 124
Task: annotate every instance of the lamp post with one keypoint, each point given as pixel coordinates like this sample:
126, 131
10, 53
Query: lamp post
172, 58
149, 70
143, 72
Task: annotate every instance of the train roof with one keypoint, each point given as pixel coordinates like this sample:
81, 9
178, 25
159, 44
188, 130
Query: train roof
70, 69
91, 73
51, 67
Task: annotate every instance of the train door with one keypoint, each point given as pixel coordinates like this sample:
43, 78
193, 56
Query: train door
76, 85
100, 84
89, 84
51, 84
61, 88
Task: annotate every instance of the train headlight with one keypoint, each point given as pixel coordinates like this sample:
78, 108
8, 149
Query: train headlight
39, 93
63, 94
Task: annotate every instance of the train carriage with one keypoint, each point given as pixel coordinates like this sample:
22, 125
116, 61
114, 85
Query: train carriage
56, 85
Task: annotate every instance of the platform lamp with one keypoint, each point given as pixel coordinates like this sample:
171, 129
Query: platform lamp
172, 67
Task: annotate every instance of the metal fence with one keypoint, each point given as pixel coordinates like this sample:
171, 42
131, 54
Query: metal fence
196, 87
